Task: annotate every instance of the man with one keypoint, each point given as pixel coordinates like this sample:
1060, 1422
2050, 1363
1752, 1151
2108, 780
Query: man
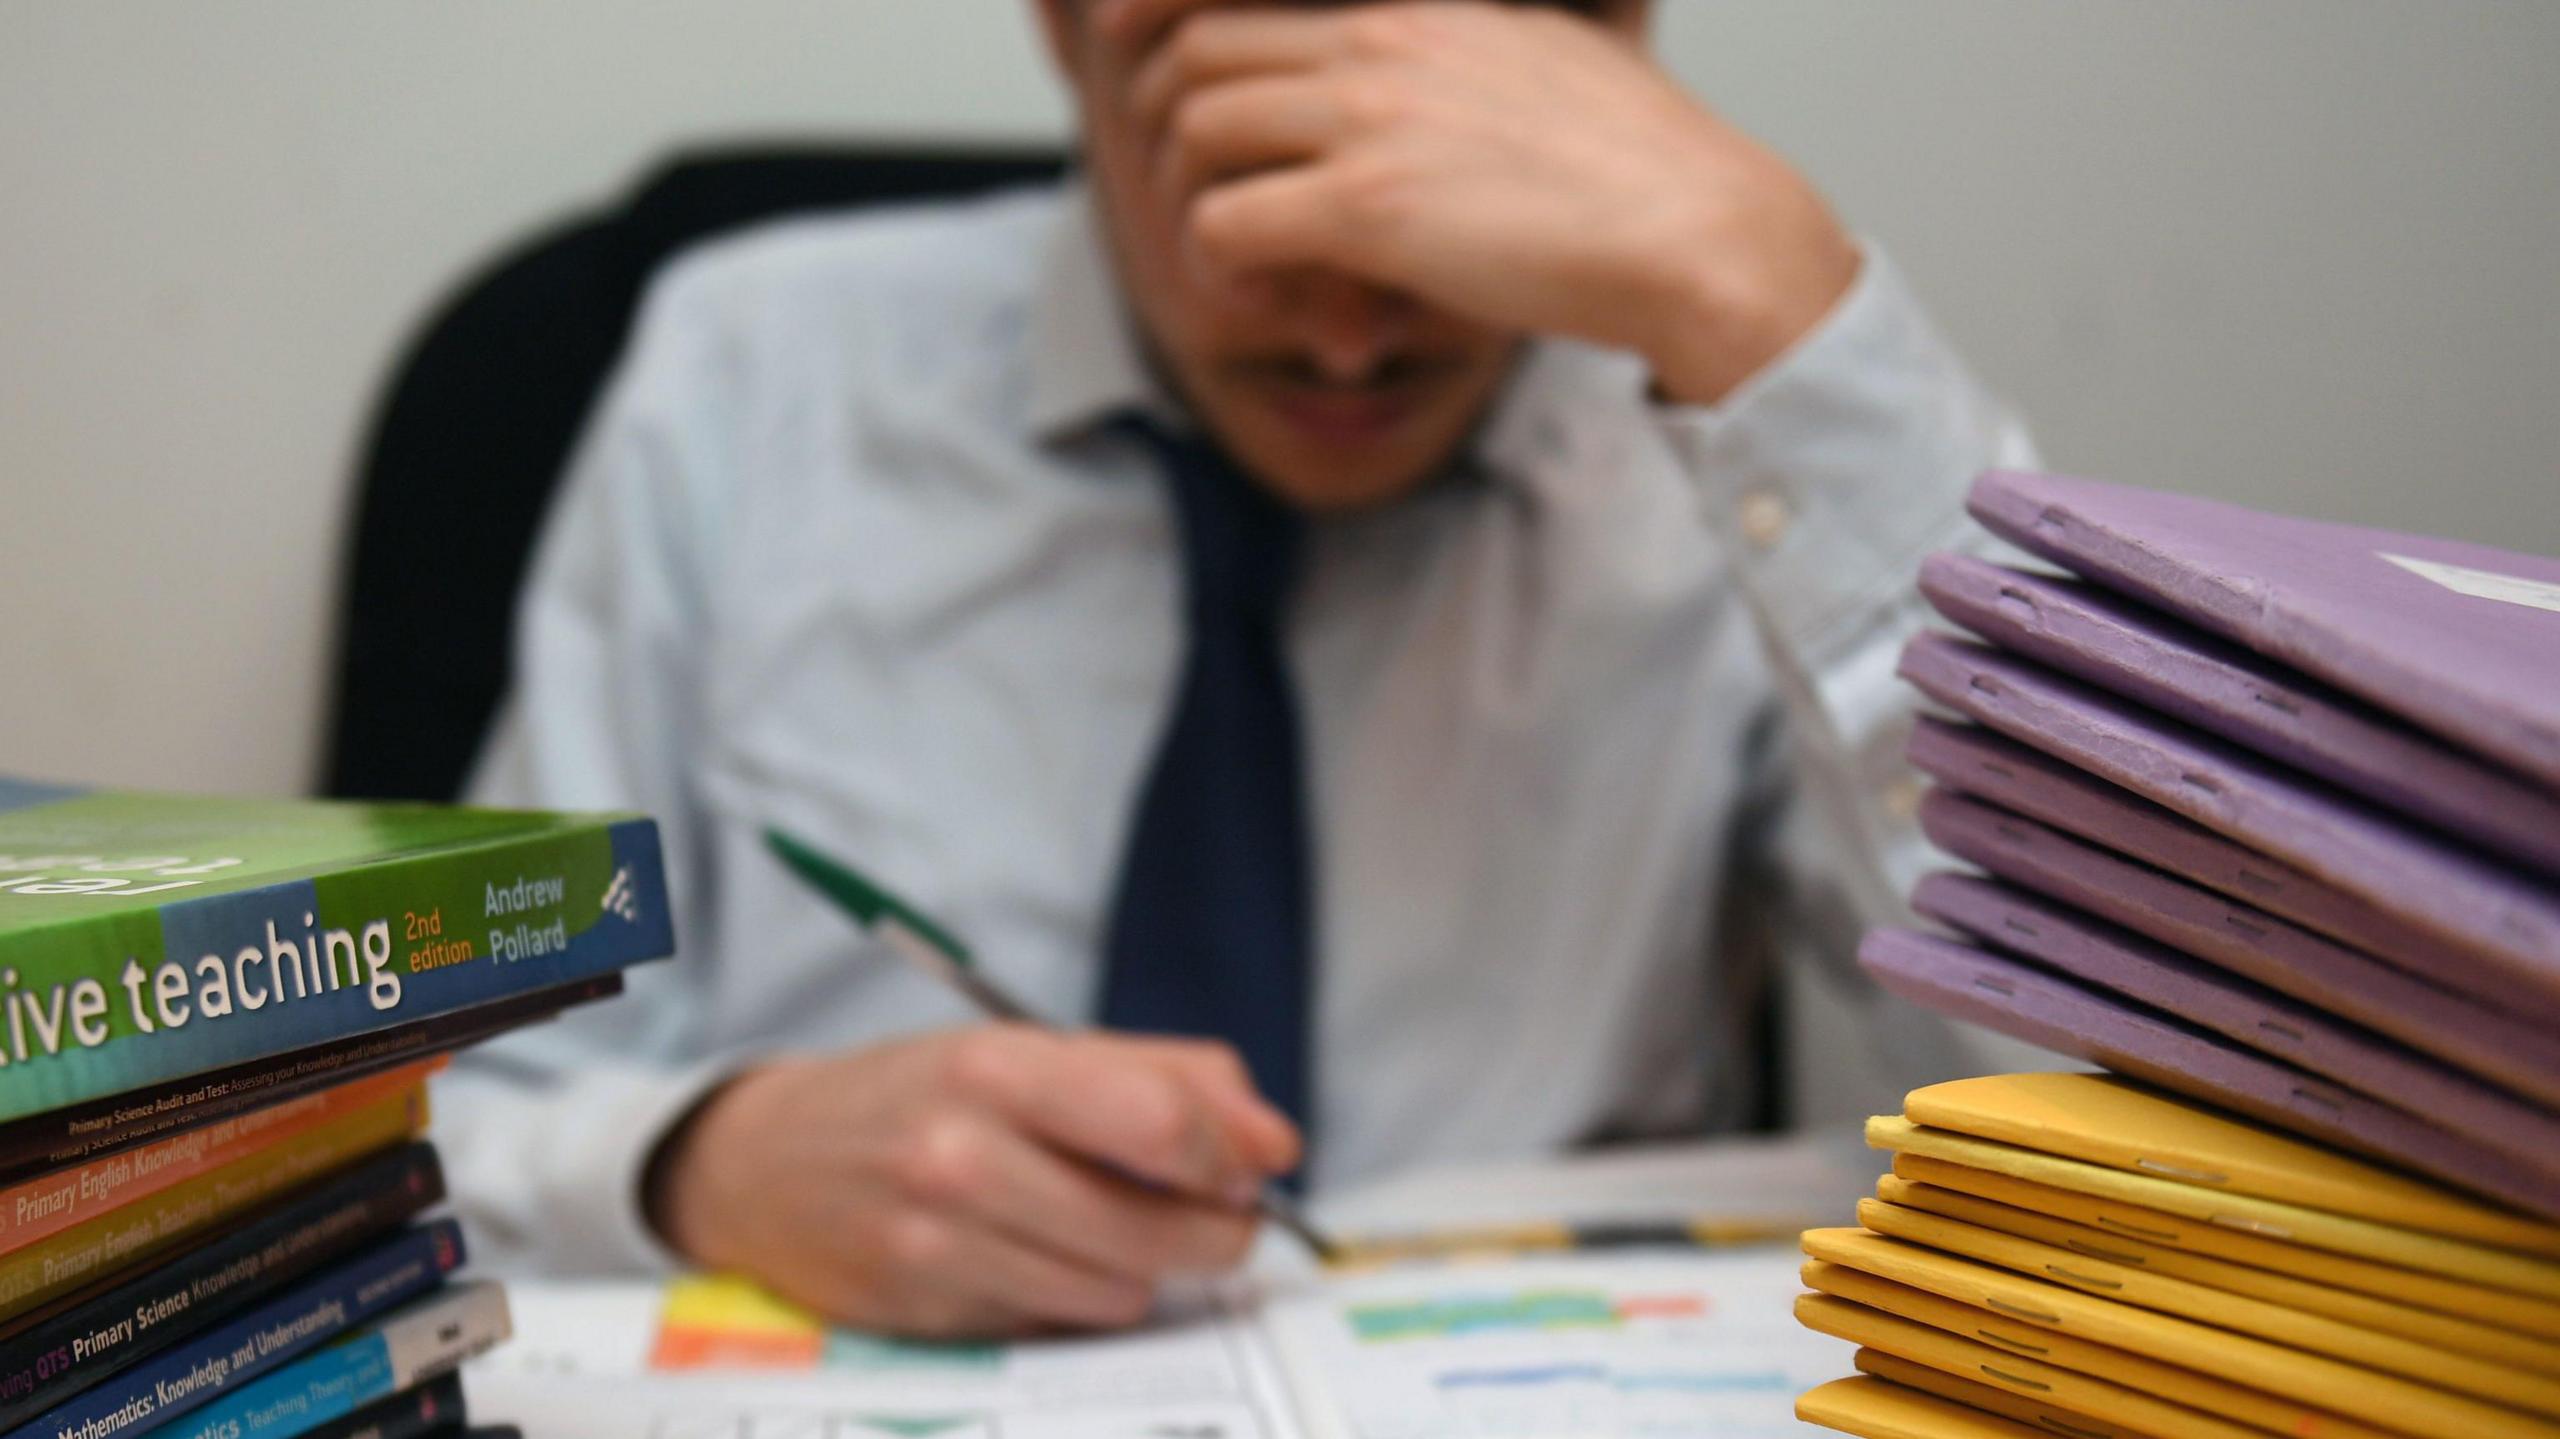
1197, 587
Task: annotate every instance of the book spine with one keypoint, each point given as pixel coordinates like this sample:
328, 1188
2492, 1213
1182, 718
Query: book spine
425, 1342
43, 1207
49, 1141
108, 1001
90, 1339
433, 1407
228, 1360
110, 1242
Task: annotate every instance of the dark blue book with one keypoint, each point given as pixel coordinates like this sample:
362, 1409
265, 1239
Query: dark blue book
89, 1337
221, 1360
434, 1407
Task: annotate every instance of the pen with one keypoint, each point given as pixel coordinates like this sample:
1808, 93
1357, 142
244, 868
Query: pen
939, 952
1701, 1232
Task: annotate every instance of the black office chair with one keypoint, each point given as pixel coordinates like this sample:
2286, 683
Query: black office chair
475, 426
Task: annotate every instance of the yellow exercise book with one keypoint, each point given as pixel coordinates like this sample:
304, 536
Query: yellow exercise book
2442, 1331
2041, 1357
2477, 1302
2034, 1413
2018, 1385
2393, 1402
2131, 1284
2319, 1228
122, 1237
2114, 1122
1873, 1408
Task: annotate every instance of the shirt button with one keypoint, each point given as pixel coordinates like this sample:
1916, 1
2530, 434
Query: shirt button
1765, 518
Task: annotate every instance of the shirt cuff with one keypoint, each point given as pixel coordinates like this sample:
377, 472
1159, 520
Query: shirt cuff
1834, 468
557, 1173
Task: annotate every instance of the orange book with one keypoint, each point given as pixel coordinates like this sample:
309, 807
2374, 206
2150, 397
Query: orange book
37, 1209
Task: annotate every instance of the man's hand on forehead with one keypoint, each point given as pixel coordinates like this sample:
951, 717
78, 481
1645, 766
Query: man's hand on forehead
1515, 164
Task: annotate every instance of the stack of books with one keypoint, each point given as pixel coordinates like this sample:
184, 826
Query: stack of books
2267, 818
217, 1022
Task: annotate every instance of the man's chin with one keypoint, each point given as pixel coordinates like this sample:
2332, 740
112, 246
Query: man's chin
1342, 458
1334, 480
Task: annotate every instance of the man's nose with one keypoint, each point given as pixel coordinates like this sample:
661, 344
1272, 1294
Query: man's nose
1350, 327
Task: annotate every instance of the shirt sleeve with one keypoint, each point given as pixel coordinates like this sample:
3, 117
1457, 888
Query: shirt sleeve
1828, 476
546, 1131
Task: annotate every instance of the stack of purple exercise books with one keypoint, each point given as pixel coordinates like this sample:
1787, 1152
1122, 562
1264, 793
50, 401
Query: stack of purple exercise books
2268, 814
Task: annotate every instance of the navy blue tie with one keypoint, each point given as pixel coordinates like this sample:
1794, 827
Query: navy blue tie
1209, 927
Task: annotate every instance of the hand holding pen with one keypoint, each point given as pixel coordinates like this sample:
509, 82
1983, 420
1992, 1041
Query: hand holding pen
936, 951
996, 1179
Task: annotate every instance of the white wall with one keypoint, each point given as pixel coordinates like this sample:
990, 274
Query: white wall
2297, 252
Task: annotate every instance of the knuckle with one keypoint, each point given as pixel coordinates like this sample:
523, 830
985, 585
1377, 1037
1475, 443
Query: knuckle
1157, 1121
915, 1241
943, 1159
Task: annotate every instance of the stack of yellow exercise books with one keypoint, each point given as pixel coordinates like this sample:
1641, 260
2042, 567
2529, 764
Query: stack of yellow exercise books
2077, 1254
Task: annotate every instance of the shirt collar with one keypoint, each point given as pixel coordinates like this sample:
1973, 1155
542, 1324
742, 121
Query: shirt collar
1086, 361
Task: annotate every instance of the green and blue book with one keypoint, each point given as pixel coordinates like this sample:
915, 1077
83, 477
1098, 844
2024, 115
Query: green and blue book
146, 938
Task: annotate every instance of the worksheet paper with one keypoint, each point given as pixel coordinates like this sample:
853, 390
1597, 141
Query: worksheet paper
1671, 1343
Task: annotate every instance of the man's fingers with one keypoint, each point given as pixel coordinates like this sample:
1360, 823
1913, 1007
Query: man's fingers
971, 1164
947, 1277
1303, 216
1137, 24
1088, 1095
1224, 45
1231, 130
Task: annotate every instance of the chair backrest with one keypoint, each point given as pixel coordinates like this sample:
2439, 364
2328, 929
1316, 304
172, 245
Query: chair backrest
472, 432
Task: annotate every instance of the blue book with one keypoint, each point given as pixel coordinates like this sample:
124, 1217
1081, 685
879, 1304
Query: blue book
423, 1342
221, 1361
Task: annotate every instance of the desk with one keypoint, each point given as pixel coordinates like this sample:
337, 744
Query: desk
1679, 1342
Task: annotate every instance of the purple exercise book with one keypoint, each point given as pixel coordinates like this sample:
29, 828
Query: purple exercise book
2479, 1038
2006, 773
2461, 639
2153, 660
2042, 1008
2097, 953
2496, 914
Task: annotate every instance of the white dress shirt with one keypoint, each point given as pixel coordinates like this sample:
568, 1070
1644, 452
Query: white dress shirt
844, 550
